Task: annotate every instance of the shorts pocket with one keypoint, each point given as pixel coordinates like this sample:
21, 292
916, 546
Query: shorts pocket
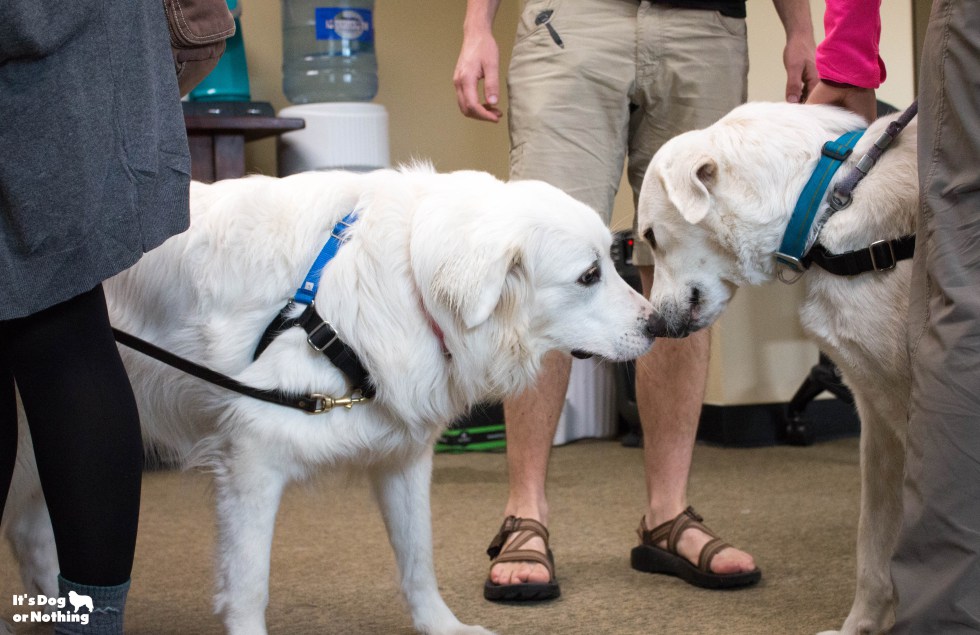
734, 26
536, 19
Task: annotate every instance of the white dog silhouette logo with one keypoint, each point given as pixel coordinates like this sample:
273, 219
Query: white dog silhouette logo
78, 601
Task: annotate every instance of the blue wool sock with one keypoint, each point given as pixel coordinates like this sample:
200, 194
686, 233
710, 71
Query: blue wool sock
90, 610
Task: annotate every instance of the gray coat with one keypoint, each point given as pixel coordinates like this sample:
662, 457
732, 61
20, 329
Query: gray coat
94, 166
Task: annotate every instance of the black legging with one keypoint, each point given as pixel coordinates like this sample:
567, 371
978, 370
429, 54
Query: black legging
86, 433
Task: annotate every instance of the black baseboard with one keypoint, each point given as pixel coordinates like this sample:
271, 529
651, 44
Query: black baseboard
757, 425
741, 426
484, 414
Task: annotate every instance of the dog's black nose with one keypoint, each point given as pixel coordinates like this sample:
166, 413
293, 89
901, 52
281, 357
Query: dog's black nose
656, 326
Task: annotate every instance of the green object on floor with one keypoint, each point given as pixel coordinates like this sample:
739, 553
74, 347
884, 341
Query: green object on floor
472, 439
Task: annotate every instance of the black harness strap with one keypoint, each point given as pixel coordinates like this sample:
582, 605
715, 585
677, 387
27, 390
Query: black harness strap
879, 256
322, 337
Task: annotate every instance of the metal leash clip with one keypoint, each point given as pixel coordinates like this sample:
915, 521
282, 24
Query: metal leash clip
323, 403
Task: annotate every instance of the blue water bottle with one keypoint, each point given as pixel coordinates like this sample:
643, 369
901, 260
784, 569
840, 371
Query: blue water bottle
328, 51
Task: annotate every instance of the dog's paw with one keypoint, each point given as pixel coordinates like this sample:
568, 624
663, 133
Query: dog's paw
861, 626
466, 629
456, 629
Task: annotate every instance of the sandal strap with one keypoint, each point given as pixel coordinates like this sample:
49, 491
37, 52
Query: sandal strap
513, 524
525, 555
708, 553
527, 529
671, 531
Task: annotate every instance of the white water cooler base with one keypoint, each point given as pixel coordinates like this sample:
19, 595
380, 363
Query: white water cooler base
590, 405
337, 136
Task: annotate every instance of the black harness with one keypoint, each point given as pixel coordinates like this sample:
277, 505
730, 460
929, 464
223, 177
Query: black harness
321, 336
881, 255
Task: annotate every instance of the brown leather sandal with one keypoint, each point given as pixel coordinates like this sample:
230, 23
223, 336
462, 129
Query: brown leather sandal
521, 592
650, 558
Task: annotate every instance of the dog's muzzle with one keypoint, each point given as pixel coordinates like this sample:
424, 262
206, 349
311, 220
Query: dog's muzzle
659, 326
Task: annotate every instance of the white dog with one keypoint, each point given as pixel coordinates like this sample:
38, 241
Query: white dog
450, 288
715, 203
78, 601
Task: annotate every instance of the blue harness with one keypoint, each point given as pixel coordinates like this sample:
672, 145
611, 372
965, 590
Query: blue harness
321, 335
307, 291
794, 246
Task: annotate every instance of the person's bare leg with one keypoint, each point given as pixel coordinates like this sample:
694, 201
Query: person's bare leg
532, 419
670, 385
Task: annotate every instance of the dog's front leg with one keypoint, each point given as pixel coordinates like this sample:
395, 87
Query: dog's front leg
402, 492
28, 526
249, 489
882, 468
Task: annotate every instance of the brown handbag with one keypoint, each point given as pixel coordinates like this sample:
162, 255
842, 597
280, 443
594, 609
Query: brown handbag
198, 30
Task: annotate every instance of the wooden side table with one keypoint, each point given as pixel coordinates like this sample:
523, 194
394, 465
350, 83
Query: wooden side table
217, 133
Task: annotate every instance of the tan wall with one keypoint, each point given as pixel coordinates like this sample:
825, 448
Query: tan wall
759, 353
417, 44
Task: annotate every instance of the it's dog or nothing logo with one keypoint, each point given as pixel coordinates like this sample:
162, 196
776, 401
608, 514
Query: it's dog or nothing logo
53, 610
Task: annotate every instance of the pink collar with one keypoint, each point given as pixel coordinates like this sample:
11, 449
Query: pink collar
435, 328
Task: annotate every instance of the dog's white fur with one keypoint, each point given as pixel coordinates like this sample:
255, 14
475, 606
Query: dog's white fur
499, 268
718, 200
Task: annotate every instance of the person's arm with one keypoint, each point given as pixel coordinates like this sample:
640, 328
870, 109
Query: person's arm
848, 62
479, 59
798, 56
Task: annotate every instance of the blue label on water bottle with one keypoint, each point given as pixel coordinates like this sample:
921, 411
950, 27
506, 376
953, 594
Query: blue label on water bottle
333, 23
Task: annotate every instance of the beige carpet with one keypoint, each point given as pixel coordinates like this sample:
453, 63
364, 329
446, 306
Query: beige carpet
333, 572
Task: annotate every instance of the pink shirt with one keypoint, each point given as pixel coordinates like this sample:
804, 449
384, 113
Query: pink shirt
849, 51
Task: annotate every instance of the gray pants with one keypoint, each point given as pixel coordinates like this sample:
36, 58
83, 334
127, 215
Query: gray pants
936, 568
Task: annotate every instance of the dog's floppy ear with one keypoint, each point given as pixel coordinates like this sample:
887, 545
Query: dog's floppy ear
482, 296
688, 185
466, 238
471, 284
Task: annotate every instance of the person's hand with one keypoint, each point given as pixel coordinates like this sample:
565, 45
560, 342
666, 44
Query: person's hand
801, 69
479, 59
854, 98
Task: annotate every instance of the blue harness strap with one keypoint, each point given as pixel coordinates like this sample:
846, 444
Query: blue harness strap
794, 243
307, 291
321, 335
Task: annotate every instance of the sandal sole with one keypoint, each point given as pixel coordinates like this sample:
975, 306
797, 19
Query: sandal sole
520, 592
656, 560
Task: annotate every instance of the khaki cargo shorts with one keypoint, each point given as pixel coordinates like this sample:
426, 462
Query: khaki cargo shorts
593, 83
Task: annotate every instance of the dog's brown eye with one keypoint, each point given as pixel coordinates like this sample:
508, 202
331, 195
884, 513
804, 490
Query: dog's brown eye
591, 276
648, 235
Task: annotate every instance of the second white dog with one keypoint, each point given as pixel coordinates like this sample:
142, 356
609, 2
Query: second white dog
715, 203
450, 288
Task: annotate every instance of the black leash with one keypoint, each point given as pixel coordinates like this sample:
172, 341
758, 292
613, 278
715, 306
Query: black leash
313, 403
841, 196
